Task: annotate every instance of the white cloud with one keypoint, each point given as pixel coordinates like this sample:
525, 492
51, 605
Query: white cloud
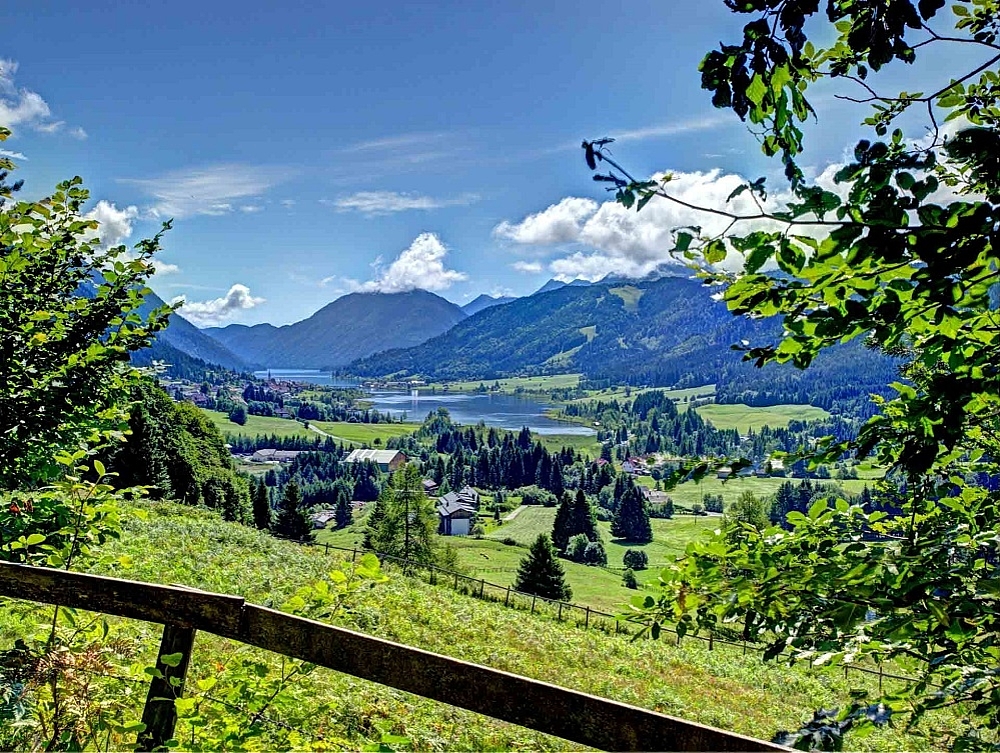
23, 107
560, 223
206, 191
528, 267
613, 240
673, 129
114, 224
387, 202
421, 266
209, 313
163, 268
12, 155
251, 208
393, 143
287, 203
115, 227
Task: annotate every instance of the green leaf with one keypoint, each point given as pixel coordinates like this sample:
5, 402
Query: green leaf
715, 251
172, 660
35, 538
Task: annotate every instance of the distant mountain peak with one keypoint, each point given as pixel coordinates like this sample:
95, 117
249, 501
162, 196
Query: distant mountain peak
485, 301
555, 284
350, 327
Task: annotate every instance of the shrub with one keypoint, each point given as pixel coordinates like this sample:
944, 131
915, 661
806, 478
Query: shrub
576, 547
636, 559
594, 554
629, 581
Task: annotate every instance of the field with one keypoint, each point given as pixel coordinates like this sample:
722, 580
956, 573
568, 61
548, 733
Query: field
670, 537
259, 425
744, 417
363, 433
627, 393
721, 687
600, 588
527, 384
691, 492
586, 445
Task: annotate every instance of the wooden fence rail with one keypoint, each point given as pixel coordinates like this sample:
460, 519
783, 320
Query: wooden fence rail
569, 714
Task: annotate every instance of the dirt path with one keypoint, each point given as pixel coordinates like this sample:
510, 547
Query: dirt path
512, 514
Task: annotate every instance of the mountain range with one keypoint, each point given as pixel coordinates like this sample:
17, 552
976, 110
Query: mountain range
351, 327
669, 331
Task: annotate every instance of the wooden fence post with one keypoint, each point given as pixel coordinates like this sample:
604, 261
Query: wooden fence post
586, 624
711, 641
326, 548
559, 616
506, 601
482, 587
533, 603
159, 714
354, 556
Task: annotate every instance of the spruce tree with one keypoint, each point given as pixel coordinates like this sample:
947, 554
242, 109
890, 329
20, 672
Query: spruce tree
262, 517
784, 503
541, 573
631, 521
561, 527
342, 510
293, 519
583, 517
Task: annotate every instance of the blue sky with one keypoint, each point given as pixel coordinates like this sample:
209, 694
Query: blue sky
309, 149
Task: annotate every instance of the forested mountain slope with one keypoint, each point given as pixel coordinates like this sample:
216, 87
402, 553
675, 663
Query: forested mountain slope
669, 331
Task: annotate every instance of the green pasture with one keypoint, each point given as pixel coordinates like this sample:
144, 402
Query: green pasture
364, 433
743, 418
259, 426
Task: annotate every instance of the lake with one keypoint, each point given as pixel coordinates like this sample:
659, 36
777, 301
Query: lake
502, 411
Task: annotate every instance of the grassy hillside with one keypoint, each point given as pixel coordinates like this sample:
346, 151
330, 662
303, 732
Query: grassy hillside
259, 425
195, 548
363, 433
745, 417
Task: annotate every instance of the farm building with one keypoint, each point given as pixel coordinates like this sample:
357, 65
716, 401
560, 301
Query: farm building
457, 511
386, 460
274, 456
455, 517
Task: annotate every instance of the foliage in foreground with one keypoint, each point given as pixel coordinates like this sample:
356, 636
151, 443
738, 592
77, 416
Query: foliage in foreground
900, 249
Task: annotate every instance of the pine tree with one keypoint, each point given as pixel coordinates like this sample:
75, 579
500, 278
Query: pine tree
293, 519
631, 521
541, 573
262, 517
